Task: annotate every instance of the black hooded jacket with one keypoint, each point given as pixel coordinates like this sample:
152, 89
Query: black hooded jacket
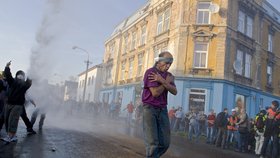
17, 88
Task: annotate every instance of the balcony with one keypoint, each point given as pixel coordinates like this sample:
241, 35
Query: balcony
269, 88
129, 80
139, 78
242, 79
162, 37
201, 71
121, 82
243, 39
209, 26
271, 57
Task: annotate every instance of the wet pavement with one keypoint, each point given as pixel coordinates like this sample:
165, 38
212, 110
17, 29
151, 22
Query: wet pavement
96, 138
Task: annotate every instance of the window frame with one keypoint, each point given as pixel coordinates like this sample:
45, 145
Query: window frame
140, 65
245, 23
201, 52
133, 40
246, 63
270, 42
130, 68
269, 74
123, 64
163, 21
203, 11
125, 46
143, 35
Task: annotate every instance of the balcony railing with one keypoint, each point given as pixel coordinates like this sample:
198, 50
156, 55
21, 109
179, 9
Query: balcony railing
201, 71
242, 79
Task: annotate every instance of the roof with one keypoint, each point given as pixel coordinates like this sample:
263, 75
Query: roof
91, 68
271, 11
131, 19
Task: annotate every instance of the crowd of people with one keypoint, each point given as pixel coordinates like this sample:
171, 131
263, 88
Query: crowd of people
233, 130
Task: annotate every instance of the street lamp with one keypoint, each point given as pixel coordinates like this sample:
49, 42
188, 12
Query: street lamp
87, 63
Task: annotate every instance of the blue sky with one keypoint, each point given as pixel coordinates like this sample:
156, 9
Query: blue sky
83, 23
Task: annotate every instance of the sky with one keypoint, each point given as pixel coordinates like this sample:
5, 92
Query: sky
26, 25
38, 36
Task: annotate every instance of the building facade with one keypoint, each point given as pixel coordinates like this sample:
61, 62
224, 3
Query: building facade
70, 90
91, 85
224, 53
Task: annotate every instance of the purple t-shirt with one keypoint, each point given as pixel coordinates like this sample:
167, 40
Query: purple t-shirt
147, 97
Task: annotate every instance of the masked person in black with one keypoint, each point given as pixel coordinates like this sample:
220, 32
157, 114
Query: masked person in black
15, 102
3, 92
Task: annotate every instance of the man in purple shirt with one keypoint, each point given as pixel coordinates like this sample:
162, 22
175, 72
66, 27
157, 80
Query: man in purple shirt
157, 83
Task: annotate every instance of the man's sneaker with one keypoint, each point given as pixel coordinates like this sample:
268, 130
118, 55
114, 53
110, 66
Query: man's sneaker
14, 139
6, 139
30, 132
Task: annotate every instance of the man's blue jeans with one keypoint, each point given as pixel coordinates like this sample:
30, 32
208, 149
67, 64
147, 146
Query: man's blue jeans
193, 128
231, 138
210, 133
156, 129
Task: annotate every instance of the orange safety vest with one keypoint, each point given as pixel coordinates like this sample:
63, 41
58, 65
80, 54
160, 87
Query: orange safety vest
232, 122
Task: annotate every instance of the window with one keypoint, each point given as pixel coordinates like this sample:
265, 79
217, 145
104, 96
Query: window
239, 62
109, 74
240, 101
203, 13
123, 70
245, 24
130, 68
133, 40
143, 35
261, 103
159, 24
92, 80
89, 79
241, 22
249, 30
270, 42
157, 51
163, 21
197, 99
140, 64
112, 48
119, 97
269, 75
243, 69
200, 55
125, 44
248, 59
166, 19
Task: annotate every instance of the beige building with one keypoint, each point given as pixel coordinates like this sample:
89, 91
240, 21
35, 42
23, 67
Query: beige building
224, 51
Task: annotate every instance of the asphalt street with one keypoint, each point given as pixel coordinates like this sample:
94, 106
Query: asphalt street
68, 137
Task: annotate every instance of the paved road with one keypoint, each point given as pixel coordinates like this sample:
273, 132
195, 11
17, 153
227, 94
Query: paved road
88, 138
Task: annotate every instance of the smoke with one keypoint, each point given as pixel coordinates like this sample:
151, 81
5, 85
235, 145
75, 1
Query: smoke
59, 31
42, 59
47, 57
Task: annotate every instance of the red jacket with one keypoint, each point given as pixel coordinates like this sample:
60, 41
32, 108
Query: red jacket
171, 113
232, 123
